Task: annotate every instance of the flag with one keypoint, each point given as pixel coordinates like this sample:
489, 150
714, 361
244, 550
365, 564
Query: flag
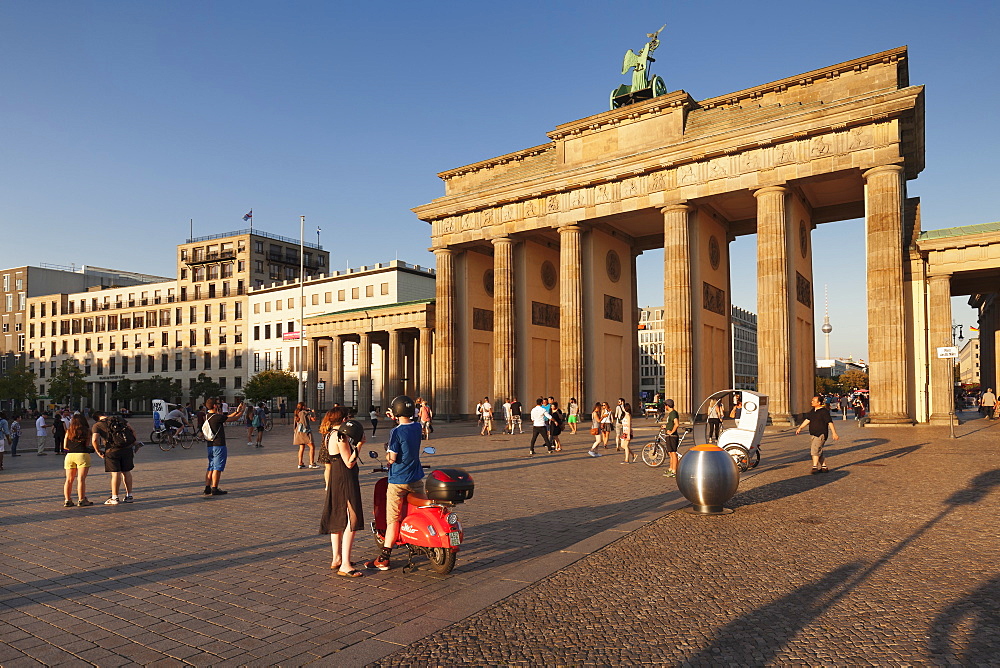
249, 216
973, 329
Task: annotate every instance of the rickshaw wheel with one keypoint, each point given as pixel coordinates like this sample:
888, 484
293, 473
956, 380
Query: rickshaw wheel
739, 455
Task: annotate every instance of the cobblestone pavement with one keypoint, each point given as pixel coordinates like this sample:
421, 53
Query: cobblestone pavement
568, 560
244, 579
888, 559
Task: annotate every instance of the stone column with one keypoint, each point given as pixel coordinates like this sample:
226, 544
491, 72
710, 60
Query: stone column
634, 344
424, 374
311, 369
336, 370
677, 314
887, 349
504, 381
395, 377
773, 303
571, 315
939, 330
444, 332
364, 373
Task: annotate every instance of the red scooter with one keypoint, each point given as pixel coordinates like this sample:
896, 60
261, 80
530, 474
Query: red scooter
428, 524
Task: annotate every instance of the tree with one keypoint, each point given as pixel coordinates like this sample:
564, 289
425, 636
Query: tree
157, 387
271, 383
18, 385
204, 387
124, 391
67, 382
854, 378
826, 385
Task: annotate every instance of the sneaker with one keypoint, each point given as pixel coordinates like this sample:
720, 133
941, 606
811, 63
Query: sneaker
249, 442
113, 501
302, 466
218, 492
84, 503
68, 504
593, 453
128, 498
42, 454
381, 563
208, 490
313, 466
531, 453
670, 474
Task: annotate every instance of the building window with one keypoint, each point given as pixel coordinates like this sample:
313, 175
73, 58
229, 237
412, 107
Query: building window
222, 311
208, 360
267, 331
277, 360
369, 291
178, 362
193, 361
315, 299
238, 359
277, 331
355, 293
256, 332
256, 362
238, 382
327, 297
341, 295
385, 288
223, 359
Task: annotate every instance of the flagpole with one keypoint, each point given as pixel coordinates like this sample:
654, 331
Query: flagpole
302, 305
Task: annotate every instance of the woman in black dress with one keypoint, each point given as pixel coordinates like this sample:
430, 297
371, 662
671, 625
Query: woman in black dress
342, 512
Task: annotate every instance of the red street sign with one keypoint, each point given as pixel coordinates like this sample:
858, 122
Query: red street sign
290, 336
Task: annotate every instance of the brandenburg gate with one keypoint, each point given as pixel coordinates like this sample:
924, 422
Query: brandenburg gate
536, 284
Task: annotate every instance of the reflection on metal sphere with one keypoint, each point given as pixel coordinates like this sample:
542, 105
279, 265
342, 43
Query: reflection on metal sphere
707, 477
826, 328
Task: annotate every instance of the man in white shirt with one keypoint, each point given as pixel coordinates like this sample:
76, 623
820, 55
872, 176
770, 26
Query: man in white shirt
539, 418
487, 409
41, 432
508, 424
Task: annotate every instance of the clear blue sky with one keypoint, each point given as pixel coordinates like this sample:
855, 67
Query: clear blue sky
120, 121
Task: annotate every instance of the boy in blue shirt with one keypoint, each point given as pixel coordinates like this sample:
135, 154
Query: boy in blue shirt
405, 473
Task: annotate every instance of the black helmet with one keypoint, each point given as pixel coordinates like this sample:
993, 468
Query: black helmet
402, 406
353, 431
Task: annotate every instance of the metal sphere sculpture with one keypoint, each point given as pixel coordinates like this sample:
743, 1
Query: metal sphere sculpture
708, 477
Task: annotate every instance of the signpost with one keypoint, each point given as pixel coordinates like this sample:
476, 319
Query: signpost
950, 352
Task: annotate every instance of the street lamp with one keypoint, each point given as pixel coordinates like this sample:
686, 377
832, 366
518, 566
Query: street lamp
955, 340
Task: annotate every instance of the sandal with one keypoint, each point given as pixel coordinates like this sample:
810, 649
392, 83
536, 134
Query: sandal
334, 567
815, 470
823, 469
353, 573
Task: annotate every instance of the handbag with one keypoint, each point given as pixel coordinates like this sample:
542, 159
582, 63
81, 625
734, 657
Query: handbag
594, 431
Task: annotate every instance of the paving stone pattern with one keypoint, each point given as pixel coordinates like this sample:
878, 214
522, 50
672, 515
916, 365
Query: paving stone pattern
888, 559
177, 578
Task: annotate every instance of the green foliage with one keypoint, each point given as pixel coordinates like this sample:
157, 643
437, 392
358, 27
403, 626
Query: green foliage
157, 387
825, 386
18, 384
270, 384
124, 391
854, 378
67, 382
203, 388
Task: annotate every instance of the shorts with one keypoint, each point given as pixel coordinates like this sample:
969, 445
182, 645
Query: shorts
119, 460
605, 427
77, 460
216, 457
395, 495
173, 424
816, 444
571, 419
619, 430
259, 427
673, 440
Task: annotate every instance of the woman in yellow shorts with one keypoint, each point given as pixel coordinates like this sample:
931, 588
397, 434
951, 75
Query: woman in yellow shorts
77, 462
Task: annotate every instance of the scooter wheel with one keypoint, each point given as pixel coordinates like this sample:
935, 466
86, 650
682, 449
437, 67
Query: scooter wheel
442, 559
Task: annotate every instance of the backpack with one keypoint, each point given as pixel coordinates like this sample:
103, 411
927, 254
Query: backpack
257, 421
119, 433
206, 429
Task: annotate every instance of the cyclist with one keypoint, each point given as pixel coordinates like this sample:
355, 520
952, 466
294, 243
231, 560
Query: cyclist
176, 419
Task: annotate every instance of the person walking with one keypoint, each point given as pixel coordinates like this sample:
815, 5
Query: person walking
214, 431
988, 403
626, 433
716, 412
539, 420
605, 424
58, 433
515, 416
619, 413
248, 416
258, 422
573, 414
479, 417
557, 421
4, 436
671, 422
302, 435
342, 512
425, 416
820, 425
77, 462
41, 432
373, 416
487, 412
113, 440
15, 435
595, 429
506, 417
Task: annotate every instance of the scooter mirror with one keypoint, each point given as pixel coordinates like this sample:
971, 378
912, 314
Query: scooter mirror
429, 450
373, 454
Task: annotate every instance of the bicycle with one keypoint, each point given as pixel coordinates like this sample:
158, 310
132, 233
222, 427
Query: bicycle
268, 423
655, 453
166, 439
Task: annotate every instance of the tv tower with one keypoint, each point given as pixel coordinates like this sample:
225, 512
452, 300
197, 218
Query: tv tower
827, 327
